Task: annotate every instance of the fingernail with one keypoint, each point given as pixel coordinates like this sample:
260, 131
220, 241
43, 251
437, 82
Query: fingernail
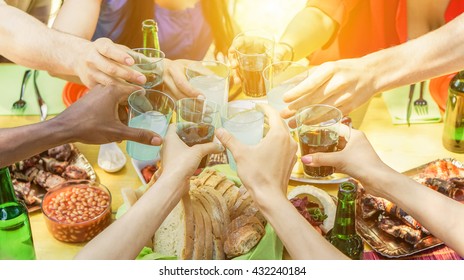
201, 96
141, 79
220, 147
129, 61
156, 141
307, 159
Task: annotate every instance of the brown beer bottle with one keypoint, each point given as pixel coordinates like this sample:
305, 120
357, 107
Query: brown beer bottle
150, 34
343, 235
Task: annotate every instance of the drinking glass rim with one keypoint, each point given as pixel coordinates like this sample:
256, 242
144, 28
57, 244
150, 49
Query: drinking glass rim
157, 59
338, 119
227, 119
171, 100
272, 38
281, 62
208, 61
217, 107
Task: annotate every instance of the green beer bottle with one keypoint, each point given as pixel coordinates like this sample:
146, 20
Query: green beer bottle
343, 235
15, 229
150, 34
453, 128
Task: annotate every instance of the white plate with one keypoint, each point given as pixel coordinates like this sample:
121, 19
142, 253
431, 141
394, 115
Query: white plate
140, 164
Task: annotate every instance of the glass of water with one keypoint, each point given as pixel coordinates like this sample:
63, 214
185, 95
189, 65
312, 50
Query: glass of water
152, 110
149, 62
281, 77
245, 123
211, 78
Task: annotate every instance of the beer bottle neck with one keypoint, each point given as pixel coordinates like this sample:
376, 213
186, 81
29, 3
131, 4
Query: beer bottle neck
6, 187
346, 211
150, 34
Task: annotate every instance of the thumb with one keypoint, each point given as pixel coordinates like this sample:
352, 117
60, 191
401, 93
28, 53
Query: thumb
143, 136
321, 159
208, 148
229, 141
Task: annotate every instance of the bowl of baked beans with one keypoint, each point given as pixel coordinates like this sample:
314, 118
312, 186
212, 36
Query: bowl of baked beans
77, 210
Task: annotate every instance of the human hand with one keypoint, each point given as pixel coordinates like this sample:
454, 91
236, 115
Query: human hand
180, 160
344, 84
245, 45
104, 62
175, 81
95, 118
358, 159
283, 52
256, 163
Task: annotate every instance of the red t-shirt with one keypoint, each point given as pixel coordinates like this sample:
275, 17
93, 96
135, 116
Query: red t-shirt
366, 26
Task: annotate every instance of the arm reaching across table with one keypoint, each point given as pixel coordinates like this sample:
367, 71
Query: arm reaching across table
93, 119
349, 83
441, 215
125, 238
254, 165
28, 42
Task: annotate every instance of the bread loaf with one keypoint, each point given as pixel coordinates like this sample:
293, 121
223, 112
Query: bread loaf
217, 217
243, 234
174, 237
199, 236
199, 226
208, 230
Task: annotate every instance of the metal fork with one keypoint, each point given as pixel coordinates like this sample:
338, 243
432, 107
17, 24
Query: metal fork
20, 105
420, 105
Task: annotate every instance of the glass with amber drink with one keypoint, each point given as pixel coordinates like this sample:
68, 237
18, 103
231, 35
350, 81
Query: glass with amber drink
319, 130
149, 62
196, 121
253, 51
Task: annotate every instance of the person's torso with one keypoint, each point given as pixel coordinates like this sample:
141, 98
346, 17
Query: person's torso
372, 25
182, 33
39, 9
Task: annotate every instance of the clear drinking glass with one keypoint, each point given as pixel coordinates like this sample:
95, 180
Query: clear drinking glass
149, 62
319, 128
152, 110
211, 78
280, 77
254, 51
245, 123
196, 121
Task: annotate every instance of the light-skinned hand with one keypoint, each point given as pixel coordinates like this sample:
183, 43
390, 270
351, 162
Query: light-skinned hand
264, 168
344, 84
181, 160
104, 62
358, 159
175, 81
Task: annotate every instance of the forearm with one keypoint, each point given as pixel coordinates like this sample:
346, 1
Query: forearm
126, 237
22, 142
436, 53
69, 18
308, 31
441, 215
300, 239
28, 42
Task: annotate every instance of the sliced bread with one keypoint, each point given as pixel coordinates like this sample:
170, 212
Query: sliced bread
208, 248
199, 235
